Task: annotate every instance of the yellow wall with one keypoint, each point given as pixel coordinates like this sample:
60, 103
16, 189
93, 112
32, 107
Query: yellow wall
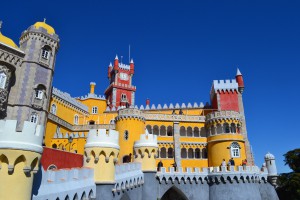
16, 184
143, 153
135, 128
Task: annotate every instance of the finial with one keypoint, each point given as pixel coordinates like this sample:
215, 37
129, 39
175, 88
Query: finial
1, 25
110, 65
44, 20
131, 61
121, 58
116, 58
238, 73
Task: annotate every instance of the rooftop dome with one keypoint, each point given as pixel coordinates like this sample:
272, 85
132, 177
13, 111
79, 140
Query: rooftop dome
7, 41
269, 156
43, 24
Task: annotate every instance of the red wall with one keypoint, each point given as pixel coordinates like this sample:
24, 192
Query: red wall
61, 159
229, 101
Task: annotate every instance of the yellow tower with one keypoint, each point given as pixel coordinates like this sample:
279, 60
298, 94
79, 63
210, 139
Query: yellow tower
130, 123
101, 152
224, 138
20, 153
145, 151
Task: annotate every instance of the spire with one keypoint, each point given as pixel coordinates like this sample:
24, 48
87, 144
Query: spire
131, 61
116, 58
238, 72
110, 65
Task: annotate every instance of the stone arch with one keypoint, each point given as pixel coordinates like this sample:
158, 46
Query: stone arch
204, 153
189, 132
170, 131
196, 132
226, 128
163, 153
155, 130
170, 152
202, 132
182, 131
19, 160
197, 153
233, 128
174, 193
163, 130
149, 128
183, 153
190, 153
219, 129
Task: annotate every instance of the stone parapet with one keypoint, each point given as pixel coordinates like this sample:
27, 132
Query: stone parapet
128, 176
178, 118
67, 184
225, 114
29, 139
146, 140
130, 113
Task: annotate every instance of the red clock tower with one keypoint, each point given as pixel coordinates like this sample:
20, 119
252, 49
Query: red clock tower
120, 91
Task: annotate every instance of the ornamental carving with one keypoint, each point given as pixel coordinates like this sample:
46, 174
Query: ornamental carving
4, 89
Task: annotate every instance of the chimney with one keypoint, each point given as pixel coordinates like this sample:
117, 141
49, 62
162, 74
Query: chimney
147, 102
92, 87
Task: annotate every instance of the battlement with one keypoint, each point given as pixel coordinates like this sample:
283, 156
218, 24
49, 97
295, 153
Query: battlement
65, 183
128, 176
124, 66
103, 138
224, 114
29, 139
130, 113
146, 140
213, 174
230, 85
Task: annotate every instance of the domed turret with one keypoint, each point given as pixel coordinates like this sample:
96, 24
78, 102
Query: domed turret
271, 166
5, 40
50, 30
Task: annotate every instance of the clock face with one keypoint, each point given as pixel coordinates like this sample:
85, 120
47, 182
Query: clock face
123, 76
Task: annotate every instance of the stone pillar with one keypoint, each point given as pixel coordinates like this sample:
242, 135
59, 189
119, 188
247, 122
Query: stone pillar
177, 156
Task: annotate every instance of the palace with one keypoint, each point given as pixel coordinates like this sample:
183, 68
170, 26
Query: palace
107, 147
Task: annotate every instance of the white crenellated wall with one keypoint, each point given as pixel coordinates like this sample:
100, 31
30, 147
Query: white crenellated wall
62, 183
128, 175
29, 139
103, 138
225, 85
146, 140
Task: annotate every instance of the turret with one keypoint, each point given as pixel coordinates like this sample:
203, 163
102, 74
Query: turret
20, 155
240, 81
92, 87
109, 70
131, 66
101, 152
145, 151
116, 63
130, 123
272, 170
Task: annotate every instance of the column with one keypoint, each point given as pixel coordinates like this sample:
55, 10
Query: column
177, 156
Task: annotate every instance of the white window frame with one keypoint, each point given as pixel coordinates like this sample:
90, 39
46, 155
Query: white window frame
76, 119
34, 118
45, 54
94, 110
39, 94
53, 109
3, 78
235, 150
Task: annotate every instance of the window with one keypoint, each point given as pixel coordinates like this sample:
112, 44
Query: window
190, 153
45, 53
163, 153
76, 119
123, 97
2, 80
170, 152
183, 153
170, 131
126, 135
197, 153
95, 110
33, 118
235, 150
53, 109
39, 94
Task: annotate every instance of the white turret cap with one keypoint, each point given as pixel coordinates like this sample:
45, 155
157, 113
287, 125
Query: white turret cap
110, 65
116, 58
269, 156
238, 72
131, 61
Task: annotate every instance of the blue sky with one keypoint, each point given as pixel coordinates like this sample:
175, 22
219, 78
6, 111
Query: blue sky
179, 48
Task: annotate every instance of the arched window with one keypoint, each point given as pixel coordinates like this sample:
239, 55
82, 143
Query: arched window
46, 51
34, 118
238, 128
163, 130
40, 91
197, 153
212, 130
163, 153
183, 153
126, 135
203, 132
123, 97
235, 150
189, 131
52, 167
204, 153
76, 119
53, 109
233, 128
54, 146
94, 110
196, 132
226, 128
91, 122
149, 128
170, 131
3, 78
170, 152
219, 129
112, 121
190, 153
155, 130
182, 131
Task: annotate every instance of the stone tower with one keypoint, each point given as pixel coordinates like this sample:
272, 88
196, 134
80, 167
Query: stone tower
120, 92
31, 84
272, 169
